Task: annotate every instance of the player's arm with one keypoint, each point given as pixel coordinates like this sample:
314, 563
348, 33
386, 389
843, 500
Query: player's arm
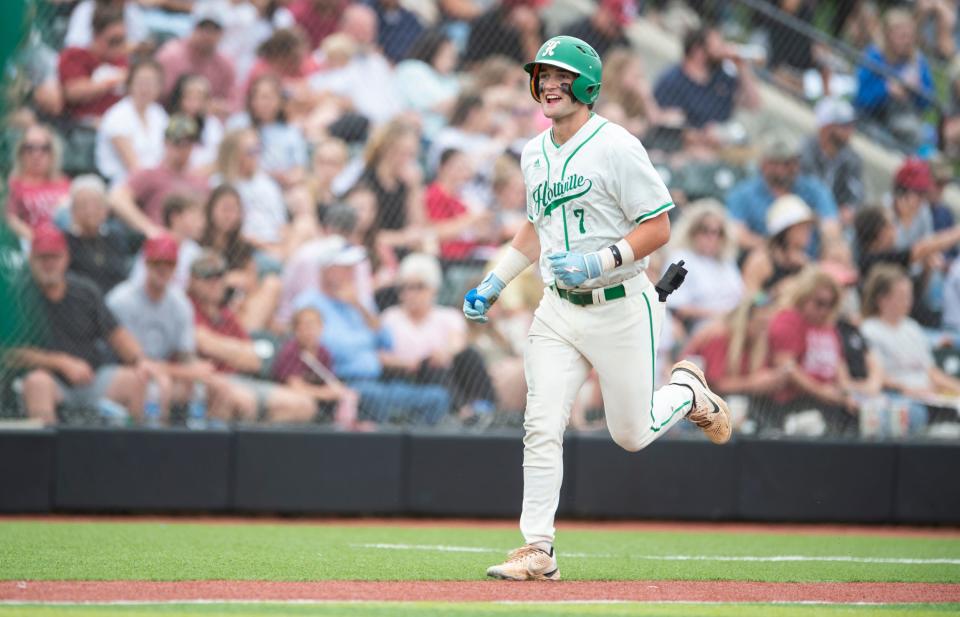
572, 269
523, 251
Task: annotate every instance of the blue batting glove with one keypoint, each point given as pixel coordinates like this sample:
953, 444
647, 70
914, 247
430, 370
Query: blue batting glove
479, 299
572, 269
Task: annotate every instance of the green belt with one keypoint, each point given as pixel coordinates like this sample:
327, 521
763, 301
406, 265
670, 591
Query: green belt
585, 298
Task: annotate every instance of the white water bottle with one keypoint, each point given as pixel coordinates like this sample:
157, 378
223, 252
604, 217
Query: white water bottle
197, 408
151, 406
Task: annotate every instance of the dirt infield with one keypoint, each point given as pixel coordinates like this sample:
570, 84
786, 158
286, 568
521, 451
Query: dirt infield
476, 591
665, 526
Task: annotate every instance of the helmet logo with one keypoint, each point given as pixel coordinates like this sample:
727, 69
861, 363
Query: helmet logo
549, 47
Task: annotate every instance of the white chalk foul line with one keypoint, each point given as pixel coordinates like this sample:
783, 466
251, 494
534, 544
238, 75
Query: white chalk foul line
445, 548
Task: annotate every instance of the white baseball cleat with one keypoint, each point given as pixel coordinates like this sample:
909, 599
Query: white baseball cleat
527, 563
709, 411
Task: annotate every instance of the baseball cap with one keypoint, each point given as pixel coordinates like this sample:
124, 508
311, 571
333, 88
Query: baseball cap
348, 256
208, 265
913, 175
48, 240
182, 127
161, 248
785, 212
207, 13
833, 111
624, 10
781, 146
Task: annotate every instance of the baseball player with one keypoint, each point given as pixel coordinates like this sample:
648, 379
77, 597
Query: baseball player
596, 209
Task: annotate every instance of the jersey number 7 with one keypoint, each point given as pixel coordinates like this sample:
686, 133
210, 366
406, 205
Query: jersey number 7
578, 212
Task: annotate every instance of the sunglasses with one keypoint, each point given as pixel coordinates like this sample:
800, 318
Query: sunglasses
711, 230
116, 41
413, 286
34, 147
823, 303
209, 274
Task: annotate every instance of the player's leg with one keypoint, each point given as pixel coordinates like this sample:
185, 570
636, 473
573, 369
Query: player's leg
622, 349
555, 370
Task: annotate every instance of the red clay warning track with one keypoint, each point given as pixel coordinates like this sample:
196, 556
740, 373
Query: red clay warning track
476, 591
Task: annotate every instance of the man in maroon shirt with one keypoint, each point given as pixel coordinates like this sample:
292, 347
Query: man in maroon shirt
139, 202
318, 18
93, 77
197, 54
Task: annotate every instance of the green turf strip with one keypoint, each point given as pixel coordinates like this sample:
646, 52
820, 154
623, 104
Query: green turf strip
158, 551
421, 609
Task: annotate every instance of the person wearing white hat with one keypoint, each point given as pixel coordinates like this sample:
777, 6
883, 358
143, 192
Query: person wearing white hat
827, 155
790, 223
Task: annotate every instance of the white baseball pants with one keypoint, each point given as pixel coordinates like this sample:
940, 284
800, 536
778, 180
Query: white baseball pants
619, 339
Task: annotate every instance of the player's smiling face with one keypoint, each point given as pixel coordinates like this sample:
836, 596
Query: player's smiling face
556, 98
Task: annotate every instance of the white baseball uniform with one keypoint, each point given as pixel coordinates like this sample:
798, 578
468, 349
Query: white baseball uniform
583, 196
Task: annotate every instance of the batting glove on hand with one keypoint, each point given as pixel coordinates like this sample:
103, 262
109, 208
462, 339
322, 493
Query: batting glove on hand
479, 299
572, 269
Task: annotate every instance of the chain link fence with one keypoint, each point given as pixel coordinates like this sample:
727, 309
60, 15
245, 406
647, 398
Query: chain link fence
269, 210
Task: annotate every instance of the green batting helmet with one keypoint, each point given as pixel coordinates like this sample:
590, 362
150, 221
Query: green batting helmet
570, 54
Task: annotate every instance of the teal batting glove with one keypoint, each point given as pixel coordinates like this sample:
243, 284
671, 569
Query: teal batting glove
479, 299
572, 269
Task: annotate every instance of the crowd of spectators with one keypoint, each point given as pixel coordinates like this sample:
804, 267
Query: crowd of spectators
264, 210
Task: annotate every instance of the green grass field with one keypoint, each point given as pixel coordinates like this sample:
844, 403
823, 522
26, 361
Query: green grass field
171, 552
156, 551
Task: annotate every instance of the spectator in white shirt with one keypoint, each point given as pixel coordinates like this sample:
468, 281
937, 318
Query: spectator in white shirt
130, 135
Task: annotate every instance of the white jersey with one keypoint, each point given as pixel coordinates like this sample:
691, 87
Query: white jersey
590, 192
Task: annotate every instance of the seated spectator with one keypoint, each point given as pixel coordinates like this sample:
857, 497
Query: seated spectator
941, 17
750, 199
93, 76
130, 137
318, 18
68, 369
804, 341
399, 28
510, 29
876, 240
790, 225
432, 340
394, 175
246, 25
191, 98
461, 230
903, 348
222, 340
183, 217
911, 216
98, 251
950, 122
943, 218
304, 365
951, 299
80, 27
426, 81
792, 52
197, 54
736, 357
286, 55
471, 130
36, 187
264, 212
139, 201
284, 154
253, 294
603, 28
361, 349
896, 104
381, 261
628, 94
160, 318
829, 157
703, 239
702, 87
330, 158
366, 78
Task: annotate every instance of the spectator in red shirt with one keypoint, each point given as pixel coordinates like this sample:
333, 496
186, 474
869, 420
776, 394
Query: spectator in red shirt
93, 77
36, 185
304, 364
197, 54
318, 18
139, 201
804, 340
459, 229
222, 340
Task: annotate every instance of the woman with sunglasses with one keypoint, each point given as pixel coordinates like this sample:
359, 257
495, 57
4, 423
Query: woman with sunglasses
704, 241
37, 187
805, 342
